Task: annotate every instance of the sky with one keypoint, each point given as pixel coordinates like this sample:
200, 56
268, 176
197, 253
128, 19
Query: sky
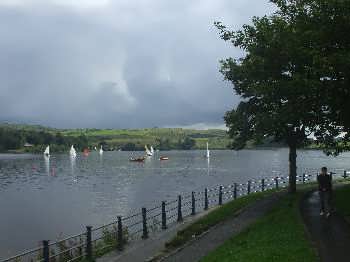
118, 63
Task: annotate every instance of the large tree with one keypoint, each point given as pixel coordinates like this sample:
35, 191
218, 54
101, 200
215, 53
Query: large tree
285, 80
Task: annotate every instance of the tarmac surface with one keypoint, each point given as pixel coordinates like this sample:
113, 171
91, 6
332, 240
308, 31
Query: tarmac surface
331, 236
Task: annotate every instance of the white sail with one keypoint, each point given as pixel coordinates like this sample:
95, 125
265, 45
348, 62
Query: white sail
148, 153
72, 152
101, 150
208, 152
152, 150
47, 151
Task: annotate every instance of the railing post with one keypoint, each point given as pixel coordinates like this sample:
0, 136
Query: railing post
344, 174
303, 178
119, 233
46, 251
248, 188
179, 211
276, 182
235, 191
262, 184
205, 199
193, 204
220, 195
144, 224
88, 243
163, 216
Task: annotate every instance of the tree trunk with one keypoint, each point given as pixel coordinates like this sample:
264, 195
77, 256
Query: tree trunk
292, 168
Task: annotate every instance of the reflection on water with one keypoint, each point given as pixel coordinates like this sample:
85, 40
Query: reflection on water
208, 166
72, 165
42, 198
47, 164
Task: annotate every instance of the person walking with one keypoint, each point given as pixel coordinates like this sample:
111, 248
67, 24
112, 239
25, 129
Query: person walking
325, 190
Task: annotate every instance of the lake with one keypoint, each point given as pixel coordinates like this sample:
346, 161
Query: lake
42, 199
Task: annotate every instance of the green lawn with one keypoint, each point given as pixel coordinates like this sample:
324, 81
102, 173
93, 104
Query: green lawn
214, 217
278, 236
341, 201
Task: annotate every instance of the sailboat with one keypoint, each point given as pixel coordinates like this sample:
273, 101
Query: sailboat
152, 150
208, 152
148, 152
72, 151
47, 151
101, 150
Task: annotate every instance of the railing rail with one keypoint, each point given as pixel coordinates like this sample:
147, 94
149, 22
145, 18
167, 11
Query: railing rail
114, 235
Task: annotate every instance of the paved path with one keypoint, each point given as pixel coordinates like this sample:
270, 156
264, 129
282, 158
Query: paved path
330, 235
223, 231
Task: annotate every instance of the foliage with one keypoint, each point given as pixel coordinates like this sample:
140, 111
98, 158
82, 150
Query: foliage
278, 236
65, 253
289, 76
109, 242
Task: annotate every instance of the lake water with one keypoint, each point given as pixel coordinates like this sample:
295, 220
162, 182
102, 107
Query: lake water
42, 199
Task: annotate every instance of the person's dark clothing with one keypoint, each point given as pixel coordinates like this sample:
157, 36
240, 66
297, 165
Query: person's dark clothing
325, 197
325, 191
324, 182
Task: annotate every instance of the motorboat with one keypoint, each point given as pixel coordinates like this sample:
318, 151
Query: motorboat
138, 159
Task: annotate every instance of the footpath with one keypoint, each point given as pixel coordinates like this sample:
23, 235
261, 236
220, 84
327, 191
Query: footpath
200, 246
331, 235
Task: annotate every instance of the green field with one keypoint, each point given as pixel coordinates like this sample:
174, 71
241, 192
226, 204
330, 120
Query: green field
163, 138
111, 139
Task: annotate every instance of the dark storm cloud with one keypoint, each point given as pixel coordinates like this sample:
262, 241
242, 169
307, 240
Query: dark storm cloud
100, 63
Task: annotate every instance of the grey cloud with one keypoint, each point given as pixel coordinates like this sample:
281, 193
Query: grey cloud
145, 63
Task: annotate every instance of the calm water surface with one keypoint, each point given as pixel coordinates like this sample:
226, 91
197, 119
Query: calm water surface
42, 199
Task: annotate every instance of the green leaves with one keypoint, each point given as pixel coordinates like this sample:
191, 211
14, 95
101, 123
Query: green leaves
294, 76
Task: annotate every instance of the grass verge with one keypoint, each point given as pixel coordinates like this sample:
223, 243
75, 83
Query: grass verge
341, 197
278, 236
214, 217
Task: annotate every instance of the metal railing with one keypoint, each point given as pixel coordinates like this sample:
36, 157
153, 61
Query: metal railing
97, 241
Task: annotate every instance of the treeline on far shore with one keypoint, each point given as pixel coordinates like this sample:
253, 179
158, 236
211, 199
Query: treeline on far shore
34, 139
17, 140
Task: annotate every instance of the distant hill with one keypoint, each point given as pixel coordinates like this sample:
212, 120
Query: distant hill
162, 138
14, 136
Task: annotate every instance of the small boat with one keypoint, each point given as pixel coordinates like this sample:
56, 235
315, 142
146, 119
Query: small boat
101, 151
148, 152
47, 151
72, 151
138, 159
164, 158
208, 152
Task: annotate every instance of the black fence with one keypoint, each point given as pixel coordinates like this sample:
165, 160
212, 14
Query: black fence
95, 242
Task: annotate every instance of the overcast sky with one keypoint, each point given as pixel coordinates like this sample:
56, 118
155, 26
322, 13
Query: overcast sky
117, 63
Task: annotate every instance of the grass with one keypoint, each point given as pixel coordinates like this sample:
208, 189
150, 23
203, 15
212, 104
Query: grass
278, 236
214, 217
341, 201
